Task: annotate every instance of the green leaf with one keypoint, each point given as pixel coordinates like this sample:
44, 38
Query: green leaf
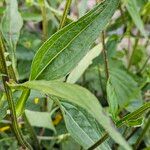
133, 10
62, 52
11, 23
123, 91
40, 119
77, 72
82, 126
112, 99
81, 97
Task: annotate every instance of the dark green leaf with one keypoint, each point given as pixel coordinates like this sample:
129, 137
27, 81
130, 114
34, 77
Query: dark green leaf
62, 52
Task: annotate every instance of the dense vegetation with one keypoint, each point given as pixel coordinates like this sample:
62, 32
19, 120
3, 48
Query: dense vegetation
74, 74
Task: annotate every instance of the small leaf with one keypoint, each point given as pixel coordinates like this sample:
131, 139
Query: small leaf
82, 126
40, 119
81, 97
62, 52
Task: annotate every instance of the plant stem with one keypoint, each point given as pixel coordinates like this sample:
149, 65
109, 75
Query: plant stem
65, 13
105, 56
44, 22
142, 134
121, 122
20, 106
5, 79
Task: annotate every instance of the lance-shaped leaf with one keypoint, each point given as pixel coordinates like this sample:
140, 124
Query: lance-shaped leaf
81, 97
134, 12
11, 23
62, 52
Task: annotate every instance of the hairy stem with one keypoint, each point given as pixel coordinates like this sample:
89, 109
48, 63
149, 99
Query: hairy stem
5, 79
65, 13
44, 22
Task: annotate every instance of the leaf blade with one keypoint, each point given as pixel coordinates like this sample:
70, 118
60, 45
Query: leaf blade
61, 53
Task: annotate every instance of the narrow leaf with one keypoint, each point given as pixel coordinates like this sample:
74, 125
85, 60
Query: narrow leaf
62, 52
134, 12
81, 97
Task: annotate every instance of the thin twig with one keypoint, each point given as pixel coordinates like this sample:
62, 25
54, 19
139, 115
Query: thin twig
105, 56
5, 79
65, 13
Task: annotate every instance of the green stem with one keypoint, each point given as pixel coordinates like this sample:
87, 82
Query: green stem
121, 122
20, 106
142, 134
5, 79
44, 22
65, 13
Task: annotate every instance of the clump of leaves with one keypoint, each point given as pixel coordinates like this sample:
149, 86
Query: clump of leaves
73, 74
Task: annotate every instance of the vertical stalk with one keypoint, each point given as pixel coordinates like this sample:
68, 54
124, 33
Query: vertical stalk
5, 79
64, 17
44, 22
105, 56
